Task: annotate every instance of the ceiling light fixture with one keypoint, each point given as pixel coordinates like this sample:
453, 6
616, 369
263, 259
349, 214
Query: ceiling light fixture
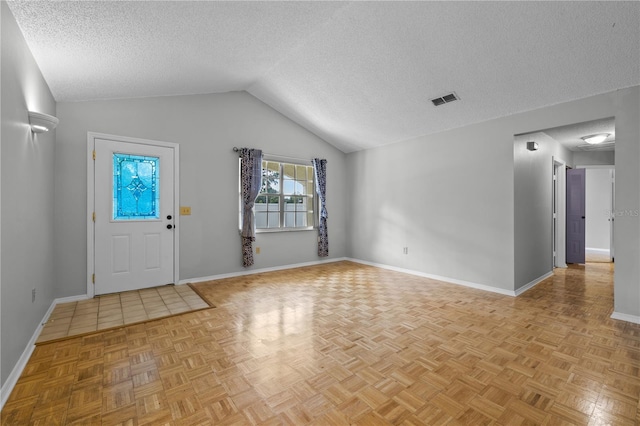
595, 139
41, 123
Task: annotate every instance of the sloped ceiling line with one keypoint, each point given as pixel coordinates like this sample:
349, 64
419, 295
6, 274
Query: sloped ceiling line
357, 74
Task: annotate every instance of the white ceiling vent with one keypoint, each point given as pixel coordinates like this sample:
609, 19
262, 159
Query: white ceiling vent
445, 99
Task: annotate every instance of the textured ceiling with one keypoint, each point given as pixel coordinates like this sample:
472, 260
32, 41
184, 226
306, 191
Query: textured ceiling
570, 135
357, 74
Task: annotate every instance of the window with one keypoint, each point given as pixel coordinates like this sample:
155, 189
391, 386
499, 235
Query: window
136, 192
287, 198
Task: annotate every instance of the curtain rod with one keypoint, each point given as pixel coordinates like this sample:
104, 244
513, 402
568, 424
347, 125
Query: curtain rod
306, 160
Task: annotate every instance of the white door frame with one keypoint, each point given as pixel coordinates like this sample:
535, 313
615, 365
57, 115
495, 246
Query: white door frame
91, 137
559, 171
612, 215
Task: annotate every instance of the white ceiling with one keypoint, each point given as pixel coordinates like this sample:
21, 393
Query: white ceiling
357, 74
570, 135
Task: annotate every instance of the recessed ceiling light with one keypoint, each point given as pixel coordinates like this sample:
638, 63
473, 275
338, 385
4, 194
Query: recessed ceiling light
595, 139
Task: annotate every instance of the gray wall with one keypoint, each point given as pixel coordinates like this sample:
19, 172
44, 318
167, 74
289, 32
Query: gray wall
448, 197
594, 158
626, 105
598, 193
27, 196
533, 197
207, 127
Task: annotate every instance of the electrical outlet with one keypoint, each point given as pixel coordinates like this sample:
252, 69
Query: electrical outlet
185, 210
33, 295
257, 250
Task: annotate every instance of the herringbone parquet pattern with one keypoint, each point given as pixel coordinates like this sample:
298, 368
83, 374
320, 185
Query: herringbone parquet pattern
345, 343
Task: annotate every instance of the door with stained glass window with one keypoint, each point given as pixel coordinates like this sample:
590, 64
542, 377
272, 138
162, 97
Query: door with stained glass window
134, 223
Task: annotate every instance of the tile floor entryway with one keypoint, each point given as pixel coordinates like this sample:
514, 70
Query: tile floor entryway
114, 310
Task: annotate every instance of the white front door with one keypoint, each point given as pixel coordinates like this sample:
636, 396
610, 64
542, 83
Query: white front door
134, 215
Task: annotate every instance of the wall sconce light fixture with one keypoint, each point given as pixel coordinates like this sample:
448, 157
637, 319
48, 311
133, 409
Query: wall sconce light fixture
41, 123
532, 146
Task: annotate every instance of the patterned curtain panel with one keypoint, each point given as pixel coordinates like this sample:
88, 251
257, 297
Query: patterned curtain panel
251, 179
320, 169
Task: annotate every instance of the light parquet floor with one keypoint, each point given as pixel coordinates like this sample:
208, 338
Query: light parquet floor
594, 257
345, 343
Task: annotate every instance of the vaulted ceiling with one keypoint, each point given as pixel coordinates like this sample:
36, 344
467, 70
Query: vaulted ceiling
357, 74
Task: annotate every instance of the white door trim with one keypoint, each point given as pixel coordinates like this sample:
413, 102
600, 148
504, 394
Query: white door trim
612, 209
91, 137
559, 167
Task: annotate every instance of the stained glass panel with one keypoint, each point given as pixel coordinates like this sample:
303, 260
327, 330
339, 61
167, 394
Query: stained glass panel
136, 187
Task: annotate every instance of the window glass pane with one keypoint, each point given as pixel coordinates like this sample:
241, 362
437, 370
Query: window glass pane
274, 203
136, 184
274, 220
311, 188
301, 219
288, 186
273, 167
301, 205
289, 204
300, 188
261, 220
301, 172
289, 220
289, 171
270, 178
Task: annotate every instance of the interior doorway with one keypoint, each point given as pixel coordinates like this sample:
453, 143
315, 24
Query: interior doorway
600, 217
572, 146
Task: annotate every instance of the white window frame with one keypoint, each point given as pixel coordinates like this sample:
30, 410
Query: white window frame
281, 196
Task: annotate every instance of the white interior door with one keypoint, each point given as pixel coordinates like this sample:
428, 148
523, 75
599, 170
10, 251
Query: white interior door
134, 215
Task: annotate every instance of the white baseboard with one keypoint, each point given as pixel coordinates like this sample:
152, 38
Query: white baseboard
597, 251
437, 277
259, 271
68, 300
533, 283
11, 381
626, 317
13, 377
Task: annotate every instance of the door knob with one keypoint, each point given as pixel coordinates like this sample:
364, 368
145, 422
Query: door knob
169, 226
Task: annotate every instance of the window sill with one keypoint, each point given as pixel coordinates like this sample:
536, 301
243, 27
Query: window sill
272, 230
